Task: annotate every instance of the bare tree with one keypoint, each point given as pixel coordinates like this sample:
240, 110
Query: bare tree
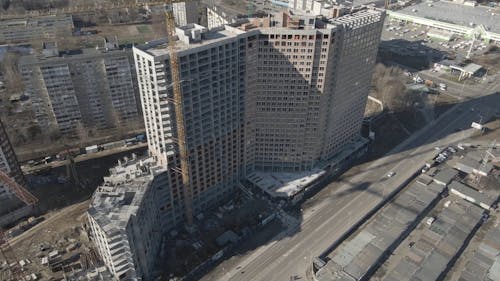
12, 77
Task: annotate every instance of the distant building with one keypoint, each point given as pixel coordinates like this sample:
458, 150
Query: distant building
447, 19
218, 16
128, 216
95, 87
36, 28
186, 12
11, 208
320, 7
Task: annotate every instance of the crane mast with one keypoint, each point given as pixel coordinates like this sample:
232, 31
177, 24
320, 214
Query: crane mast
179, 113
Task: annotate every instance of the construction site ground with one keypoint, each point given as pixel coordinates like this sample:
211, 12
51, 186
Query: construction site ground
62, 207
241, 215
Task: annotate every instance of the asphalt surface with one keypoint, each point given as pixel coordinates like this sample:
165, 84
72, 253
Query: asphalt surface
290, 254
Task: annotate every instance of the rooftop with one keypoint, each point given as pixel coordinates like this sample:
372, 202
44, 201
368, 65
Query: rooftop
434, 246
467, 164
357, 255
38, 21
484, 264
445, 176
284, 184
456, 13
478, 197
206, 37
193, 36
64, 55
121, 194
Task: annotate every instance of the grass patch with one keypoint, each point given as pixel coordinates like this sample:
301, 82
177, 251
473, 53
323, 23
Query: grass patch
143, 29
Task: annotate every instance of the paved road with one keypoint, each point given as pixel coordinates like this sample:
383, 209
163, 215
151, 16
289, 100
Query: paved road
291, 253
81, 158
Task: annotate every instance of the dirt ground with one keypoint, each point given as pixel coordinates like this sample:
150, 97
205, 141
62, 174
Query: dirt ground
59, 230
62, 207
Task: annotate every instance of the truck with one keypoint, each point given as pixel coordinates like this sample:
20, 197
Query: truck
91, 149
141, 138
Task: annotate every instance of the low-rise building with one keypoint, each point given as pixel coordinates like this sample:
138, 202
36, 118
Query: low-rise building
35, 28
467, 193
471, 166
445, 176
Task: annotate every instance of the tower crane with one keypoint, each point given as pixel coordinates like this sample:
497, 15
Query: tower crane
5, 248
179, 112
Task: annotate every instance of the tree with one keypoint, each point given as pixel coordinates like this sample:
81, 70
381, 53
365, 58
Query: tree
33, 131
394, 95
5, 4
11, 73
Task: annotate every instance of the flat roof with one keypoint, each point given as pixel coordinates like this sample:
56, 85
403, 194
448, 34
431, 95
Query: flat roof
457, 14
120, 196
435, 245
484, 264
468, 191
356, 255
159, 47
283, 184
445, 176
473, 164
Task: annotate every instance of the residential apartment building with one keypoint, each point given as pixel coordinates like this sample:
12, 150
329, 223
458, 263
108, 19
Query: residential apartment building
129, 215
279, 94
36, 28
186, 12
308, 88
95, 87
327, 8
218, 16
212, 67
11, 208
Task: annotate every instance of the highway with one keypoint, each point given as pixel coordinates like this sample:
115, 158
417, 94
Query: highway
290, 254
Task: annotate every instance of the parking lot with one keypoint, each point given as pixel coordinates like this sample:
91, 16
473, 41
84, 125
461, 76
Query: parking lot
458, 47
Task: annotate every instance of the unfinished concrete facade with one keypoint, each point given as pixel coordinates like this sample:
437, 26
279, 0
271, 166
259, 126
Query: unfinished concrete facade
212, 65
128, 218
186, 12
278, 94
308, 88
93, 87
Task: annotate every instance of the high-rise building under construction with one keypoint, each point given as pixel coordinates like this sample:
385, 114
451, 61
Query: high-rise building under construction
275, 94
281, 94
